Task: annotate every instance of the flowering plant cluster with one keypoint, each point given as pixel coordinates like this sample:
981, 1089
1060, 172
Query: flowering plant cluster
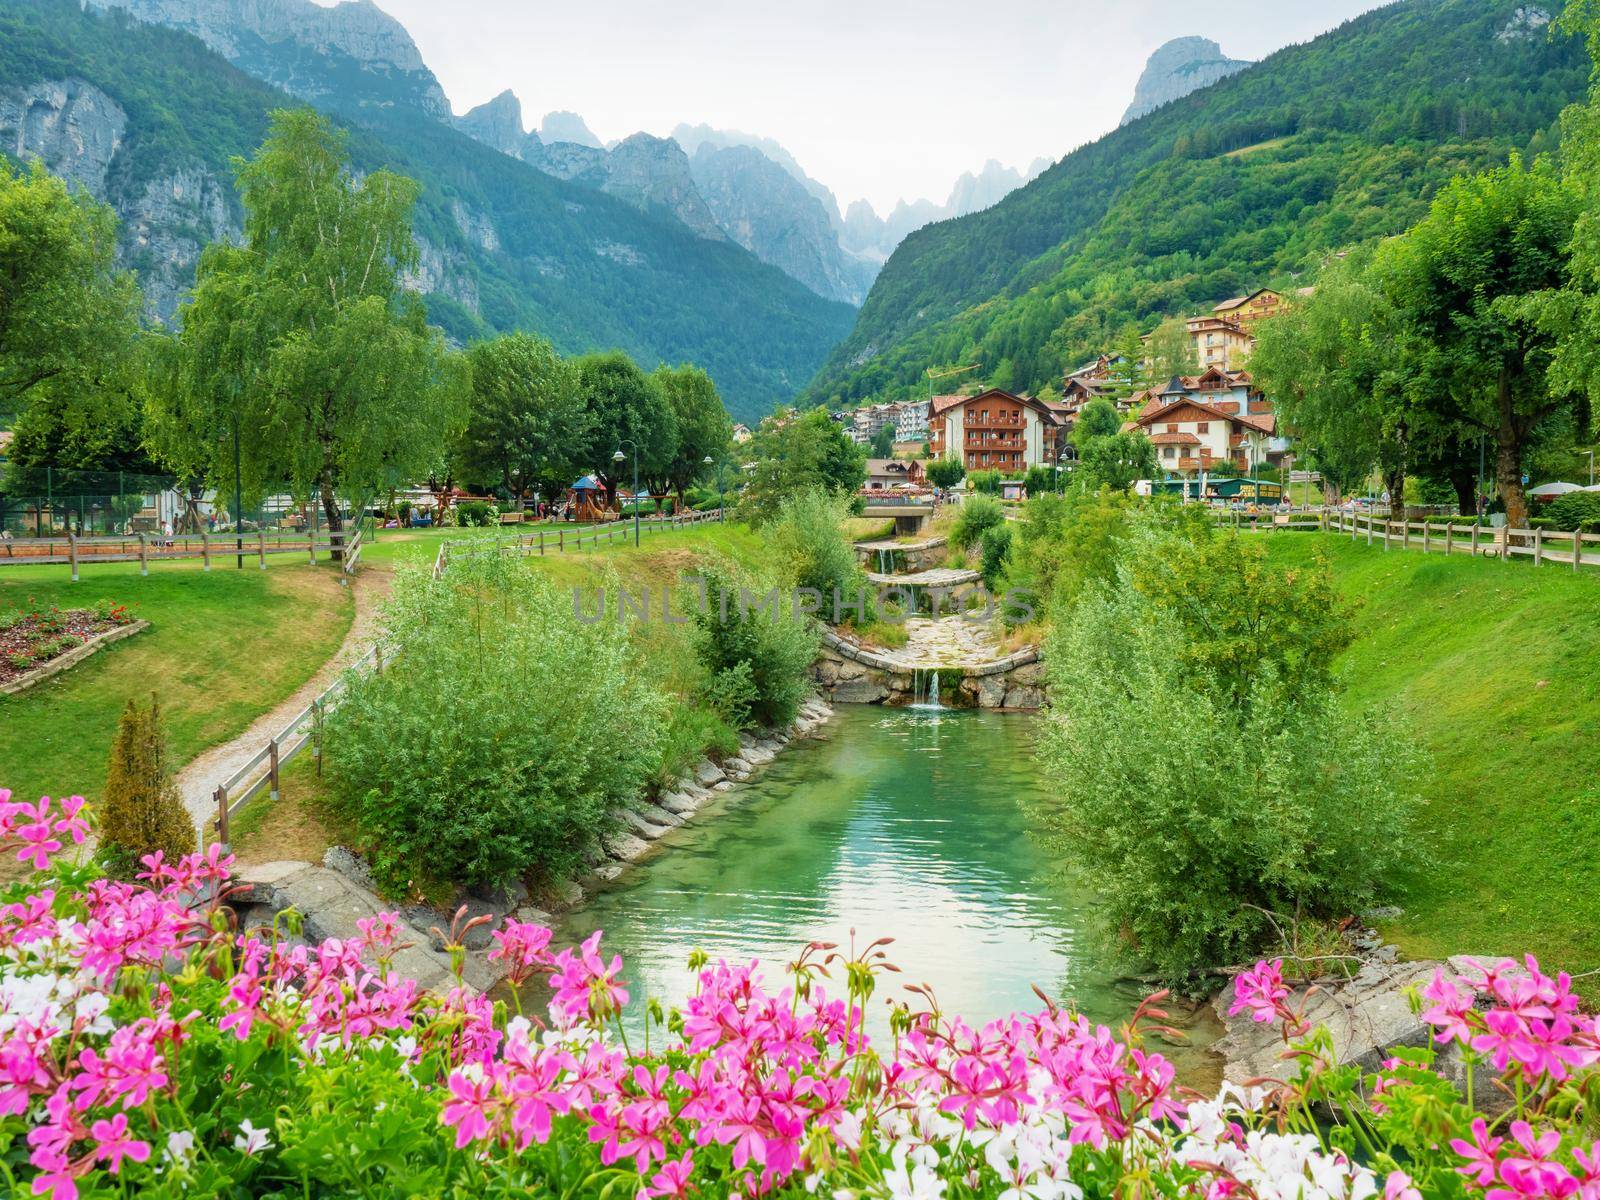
149, 1047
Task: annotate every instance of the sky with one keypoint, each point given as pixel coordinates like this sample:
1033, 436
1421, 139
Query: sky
882, 99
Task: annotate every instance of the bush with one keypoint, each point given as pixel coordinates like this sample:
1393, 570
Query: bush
1039, 480
979, 512
1257, 799
996, 551
500, 737
987, 482
813, 553
476, 514
946, 472
141, 812
757, 660
1572, 510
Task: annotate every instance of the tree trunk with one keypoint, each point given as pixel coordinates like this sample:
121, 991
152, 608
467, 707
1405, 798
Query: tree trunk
1465, 481
330, 512
1394, 482
1508, 460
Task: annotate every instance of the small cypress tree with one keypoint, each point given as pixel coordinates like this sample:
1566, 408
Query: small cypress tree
141, 812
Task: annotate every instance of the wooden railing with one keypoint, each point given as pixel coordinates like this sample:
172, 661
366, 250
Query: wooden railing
1557, 547
144, 548
563, 541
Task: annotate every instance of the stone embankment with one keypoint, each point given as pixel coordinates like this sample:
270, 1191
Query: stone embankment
850, 673
889, 555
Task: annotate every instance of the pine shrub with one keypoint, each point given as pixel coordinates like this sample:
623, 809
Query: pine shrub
141, 812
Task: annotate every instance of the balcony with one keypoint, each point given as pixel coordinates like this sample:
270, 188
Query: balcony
993, 422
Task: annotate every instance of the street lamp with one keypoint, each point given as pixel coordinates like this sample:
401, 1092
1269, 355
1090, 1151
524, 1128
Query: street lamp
708, 460
619, 456
1591, 468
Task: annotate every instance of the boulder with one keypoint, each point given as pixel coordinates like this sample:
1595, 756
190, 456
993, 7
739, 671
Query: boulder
860, 691
624, 846
680, 803
708, 773
990, 690
640, 824
850, 671
825, 670
1025, 698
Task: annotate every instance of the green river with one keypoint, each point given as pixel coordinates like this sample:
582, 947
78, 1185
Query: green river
906, 823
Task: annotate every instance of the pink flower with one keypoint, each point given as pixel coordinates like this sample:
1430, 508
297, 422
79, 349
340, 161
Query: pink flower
469, 1108
1398, 1186
1482, 1163
1451, 1006
672, 1180
1260, 991
115, 1144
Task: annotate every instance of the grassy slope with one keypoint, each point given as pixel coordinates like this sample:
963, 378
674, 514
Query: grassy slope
1493, 668
223, 648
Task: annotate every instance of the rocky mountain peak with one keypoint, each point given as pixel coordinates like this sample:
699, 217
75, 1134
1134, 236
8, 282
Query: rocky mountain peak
498, 123
1177, 68
306, 48
563, 126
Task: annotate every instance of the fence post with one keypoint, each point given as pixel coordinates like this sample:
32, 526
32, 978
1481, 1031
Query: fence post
1577, 548
272, 770
1386, 524
1538, 547
222, 815
1405, 531
205, 549
1449, 537
316, 735
311, 545
561, 541
1427, 540
541, 543
261, 546
1474, 539
72, 553
144, 559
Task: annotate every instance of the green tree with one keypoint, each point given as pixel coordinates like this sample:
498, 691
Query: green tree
946, 472
883, 442
302, 344
1118, 461
1473, 283
628, 411
758, 659
67, 315
703, 426
140, 812
526, 426
1330, 364
809, 544
1170, 351
795, 451
1097, 419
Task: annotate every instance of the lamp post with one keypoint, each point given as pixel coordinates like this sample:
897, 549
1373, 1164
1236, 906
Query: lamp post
708, 460
1591, 468
619, 456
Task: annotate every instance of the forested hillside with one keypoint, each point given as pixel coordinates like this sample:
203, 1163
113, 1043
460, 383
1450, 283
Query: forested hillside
1242, 184
152, 119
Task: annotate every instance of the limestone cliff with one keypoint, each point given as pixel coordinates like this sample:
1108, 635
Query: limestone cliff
1181, 66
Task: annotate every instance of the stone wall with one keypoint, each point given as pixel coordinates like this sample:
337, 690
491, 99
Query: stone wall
851, 674
909, 558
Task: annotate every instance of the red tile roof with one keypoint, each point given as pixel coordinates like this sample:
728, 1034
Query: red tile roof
1174, 439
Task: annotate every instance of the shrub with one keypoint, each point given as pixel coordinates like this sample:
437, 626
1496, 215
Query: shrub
946, 472
987, 482
476, 514
1039, 480
996, 550
1256, 797
979, 512
1573, 509
812, 552
500, 737
141, 813
757, 659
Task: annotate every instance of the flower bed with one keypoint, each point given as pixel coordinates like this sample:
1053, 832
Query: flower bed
33, 636
148, 1048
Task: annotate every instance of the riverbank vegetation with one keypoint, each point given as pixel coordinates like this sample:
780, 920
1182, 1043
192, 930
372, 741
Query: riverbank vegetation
1207, 782
1489, 668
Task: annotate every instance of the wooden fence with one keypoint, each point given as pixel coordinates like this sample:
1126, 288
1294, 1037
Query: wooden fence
263, 772
145, 549
1543, 546
564, 541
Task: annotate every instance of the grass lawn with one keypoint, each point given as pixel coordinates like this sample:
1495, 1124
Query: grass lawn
223, 647
1493, 667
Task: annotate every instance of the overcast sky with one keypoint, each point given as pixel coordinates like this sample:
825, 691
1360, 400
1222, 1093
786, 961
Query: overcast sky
877, 98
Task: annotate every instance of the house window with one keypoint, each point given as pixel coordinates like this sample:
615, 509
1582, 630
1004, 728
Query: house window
1168, 452
1172, 429
1204, 427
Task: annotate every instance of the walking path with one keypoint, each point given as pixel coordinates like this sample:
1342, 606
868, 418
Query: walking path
198, 781
948, 642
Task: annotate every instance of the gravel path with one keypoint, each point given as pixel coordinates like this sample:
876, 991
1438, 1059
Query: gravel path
198, 781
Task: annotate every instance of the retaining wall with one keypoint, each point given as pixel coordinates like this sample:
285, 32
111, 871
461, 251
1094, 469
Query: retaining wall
848, 673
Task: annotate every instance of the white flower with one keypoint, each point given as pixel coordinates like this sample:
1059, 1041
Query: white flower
180, 1148
251, 1141
920, 1183
848, 1130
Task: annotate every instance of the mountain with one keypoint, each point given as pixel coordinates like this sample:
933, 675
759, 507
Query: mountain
498, 123
1249, 182
693, 137
568, 127
1176, 69
871, 236
353, 51
770, 213
149, 119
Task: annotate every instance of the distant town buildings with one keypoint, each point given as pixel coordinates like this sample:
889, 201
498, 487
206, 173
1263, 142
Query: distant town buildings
908, 419
1213, 423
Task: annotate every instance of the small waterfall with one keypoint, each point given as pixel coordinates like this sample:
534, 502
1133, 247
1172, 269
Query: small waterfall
885, 561
933, 691
925, 689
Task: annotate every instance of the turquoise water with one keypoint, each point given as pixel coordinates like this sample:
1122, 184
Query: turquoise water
897, 823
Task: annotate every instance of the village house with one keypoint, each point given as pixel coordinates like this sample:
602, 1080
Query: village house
1212, 423
996, 430
1247, 311
1219, 342
887, 473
